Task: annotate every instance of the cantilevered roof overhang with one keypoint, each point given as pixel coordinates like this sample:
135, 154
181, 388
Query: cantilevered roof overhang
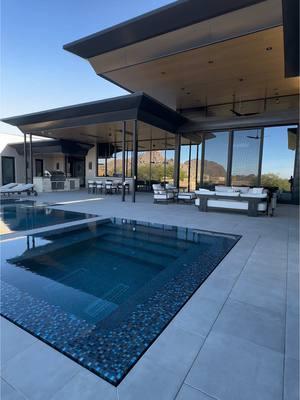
55, 147
172, 17
92, 122
198, 53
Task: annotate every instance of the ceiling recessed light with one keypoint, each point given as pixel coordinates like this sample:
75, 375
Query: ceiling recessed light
269, 48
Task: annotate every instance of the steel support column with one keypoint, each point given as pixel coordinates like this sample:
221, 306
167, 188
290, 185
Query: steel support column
177, 160
31, 158
202, 160
123, 159
25, 158
197, 166
189, 169
134, 158
229, 157
261, 150
96, 159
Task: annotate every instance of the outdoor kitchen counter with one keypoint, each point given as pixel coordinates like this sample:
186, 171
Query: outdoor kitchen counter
44, 184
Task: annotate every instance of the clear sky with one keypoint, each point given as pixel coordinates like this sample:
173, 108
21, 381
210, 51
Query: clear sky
36, 73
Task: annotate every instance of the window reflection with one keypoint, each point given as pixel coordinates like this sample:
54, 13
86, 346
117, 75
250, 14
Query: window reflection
279, 157
245, 157
184, 166
215, 162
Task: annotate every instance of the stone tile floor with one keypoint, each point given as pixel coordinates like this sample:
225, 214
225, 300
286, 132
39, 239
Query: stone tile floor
237, 338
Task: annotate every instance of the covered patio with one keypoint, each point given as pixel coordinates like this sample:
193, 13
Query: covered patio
116, 128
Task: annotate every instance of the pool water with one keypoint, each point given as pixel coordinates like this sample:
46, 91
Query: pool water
103, 293
26, 215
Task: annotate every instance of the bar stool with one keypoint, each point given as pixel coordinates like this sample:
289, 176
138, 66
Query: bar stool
91, 186
99, 186
108, 187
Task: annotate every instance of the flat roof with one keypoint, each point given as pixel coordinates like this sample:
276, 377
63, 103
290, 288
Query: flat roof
54, 147
97, 114
171, 17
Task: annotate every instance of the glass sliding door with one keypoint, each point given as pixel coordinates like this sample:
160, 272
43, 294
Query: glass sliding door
169, 166
280, 144
8, 170
199, 166
184, 166
245, 157
193, 167
39, 167
215, 159
190, 166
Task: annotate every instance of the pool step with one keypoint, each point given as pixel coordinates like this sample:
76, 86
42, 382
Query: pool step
145, 257
168, 242
135, 243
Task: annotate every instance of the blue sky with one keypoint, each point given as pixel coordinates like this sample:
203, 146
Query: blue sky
36, 73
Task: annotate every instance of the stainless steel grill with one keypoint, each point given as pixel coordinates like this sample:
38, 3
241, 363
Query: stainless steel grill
57, 178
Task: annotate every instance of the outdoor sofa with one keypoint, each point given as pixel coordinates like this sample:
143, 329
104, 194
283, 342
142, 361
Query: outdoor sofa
252, 200
163, 194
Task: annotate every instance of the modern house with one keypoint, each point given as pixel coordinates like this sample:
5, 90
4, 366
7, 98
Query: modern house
213, 99
47, 155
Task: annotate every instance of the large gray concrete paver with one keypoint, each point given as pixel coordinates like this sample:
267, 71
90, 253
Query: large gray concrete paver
198, 315
9, 393
254, 291
292, 332
86, 386
229, 368
172, 345
13, 340
256, 324
149, 381
189, 393
291, 379
39, 371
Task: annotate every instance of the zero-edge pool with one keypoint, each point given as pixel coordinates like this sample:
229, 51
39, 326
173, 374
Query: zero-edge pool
102, 294
24, 215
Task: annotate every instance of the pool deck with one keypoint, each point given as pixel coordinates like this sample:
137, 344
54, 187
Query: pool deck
237, 338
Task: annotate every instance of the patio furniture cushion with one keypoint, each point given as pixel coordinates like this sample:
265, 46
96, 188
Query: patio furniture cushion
170, 187
186, 195
223, 189
258, 195
157, 186
229, 194
206, 192
241, 189
256, 190
163, 196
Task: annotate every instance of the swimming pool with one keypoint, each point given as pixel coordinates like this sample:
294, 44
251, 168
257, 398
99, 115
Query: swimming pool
25, 215
101, 294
